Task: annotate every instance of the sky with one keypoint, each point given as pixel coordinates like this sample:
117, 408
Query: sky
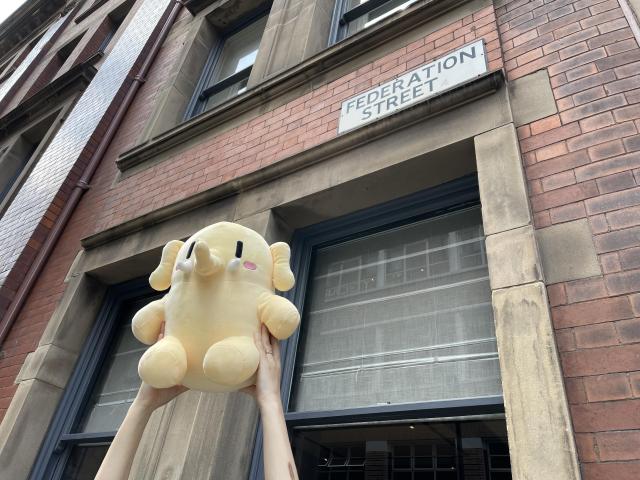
7, 7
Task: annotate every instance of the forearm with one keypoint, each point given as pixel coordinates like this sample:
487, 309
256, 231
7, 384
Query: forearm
278, 459
117, 463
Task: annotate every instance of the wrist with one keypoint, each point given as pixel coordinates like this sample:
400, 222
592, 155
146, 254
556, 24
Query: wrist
141, 407
270, 402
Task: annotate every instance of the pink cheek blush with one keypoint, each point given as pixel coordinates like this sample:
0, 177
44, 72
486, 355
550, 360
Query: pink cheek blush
250, 265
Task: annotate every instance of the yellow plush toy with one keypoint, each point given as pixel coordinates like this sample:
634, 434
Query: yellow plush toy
222, 288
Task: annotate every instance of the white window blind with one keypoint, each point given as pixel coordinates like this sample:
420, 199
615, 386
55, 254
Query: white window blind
399, 316
118, 385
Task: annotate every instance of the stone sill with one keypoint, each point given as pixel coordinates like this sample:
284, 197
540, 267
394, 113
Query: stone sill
90, 10
456, 97
281, 83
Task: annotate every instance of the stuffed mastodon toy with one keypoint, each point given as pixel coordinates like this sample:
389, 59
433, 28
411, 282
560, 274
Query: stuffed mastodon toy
223, 282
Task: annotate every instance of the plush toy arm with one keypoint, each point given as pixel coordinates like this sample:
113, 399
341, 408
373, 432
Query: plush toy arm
147, 322
160, 278
279, 315
283, 278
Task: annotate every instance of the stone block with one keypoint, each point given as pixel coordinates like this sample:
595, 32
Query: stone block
25, 425
513, 258
269, 225
567, 251
535, 401
48, 363
532, 98
503, 192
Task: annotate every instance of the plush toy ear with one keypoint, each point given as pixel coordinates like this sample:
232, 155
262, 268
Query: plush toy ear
160, 278
283, 278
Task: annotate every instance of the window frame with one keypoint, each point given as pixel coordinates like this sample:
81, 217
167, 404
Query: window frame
56, 448
342, 16
452, 196
202, 93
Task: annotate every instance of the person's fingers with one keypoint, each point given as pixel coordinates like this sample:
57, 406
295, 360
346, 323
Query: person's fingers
266, 344
257, 339
275, 347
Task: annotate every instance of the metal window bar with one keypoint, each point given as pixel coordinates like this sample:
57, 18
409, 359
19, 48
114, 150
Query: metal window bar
225, 83
410, 411
342, 16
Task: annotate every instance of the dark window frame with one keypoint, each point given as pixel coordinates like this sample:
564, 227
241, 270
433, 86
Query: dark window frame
452, 196
342, 15
59, 440
202, 93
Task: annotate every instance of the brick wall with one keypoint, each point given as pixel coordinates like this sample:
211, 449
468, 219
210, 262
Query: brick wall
581, 163
584, 163
298, 125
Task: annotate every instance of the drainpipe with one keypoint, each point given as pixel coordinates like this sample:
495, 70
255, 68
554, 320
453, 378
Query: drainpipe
83, 184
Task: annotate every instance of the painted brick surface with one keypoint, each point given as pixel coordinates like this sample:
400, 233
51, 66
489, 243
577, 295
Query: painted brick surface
580, 163
24, 224
27, 62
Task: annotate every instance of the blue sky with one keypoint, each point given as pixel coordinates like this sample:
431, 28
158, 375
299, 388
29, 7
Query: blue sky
7, 7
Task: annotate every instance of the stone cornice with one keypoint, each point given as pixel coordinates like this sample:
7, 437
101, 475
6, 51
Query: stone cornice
316, 66
477, 88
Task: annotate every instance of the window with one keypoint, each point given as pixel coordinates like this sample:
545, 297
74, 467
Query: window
112, 23
227, 71
15, 157
472, 450
53, 67
104, 34
400, 326
355, 15
99, 392
397, 341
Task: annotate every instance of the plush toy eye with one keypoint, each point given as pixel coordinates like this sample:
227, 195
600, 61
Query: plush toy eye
239, 246
191, 249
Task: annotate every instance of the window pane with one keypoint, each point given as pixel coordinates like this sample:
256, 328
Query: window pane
227, 93
377, 14
239, 50
118, 382
387, 452
84, 462
399, 316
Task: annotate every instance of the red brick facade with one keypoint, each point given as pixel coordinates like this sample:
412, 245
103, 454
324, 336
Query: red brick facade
583, 162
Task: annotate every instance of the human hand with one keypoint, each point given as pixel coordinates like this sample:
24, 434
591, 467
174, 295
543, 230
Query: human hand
150, 398
267, 387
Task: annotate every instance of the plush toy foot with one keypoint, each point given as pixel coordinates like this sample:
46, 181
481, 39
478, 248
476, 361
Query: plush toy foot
164, 364
231, 361
279, 315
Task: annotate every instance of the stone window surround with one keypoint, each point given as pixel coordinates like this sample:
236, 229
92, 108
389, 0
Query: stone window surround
217, 37
388, 166
58, 97
205, 32
57, 117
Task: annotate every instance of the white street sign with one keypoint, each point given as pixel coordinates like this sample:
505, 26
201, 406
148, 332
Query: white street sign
426, 81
